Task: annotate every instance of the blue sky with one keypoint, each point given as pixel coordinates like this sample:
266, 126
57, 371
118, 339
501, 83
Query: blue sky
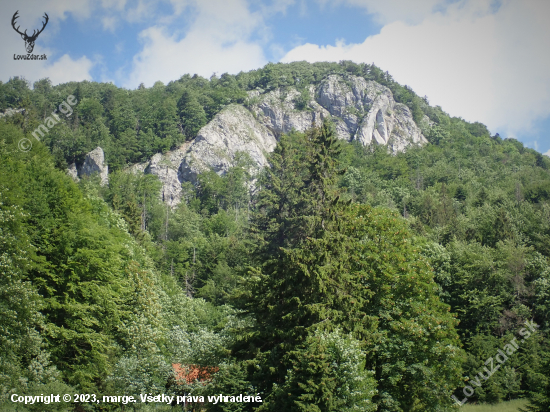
483, 60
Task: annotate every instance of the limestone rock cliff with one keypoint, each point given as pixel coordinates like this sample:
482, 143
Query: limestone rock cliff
94, 162
278, 112
234, 130
362, 110
166, 167
72, 171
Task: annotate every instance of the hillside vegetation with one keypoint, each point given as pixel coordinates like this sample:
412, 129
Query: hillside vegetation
349, 279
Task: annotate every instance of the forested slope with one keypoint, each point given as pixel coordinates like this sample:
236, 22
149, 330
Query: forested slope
132, 125
402, 273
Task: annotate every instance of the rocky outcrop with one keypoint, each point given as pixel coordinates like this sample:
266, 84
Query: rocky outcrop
404, 130
73, 172
11, 112
277, 111
362, 110
94, 162
217, 146
232, 131
166, 167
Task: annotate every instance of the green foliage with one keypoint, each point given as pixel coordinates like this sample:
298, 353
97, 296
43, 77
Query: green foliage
25, 364
79, 263
192, 114
328, 374
481, 202
15, 93
402, 298
322, 264
104, 287
230, 379
302, 102
539, 399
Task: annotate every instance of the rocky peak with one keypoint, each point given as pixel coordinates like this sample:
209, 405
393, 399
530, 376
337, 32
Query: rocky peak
361, 110
278, 112
166, 167
94, 162
234, 130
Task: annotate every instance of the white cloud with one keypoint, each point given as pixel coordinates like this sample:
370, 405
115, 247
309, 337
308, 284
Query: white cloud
547, 153
217, 41
388, 11
109, 23
66, 69
479, 63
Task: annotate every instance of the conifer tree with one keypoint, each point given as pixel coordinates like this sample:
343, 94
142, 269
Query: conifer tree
301, 282
192, 114
539, 392
325, 264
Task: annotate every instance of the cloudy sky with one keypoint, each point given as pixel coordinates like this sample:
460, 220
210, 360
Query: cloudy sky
482, 60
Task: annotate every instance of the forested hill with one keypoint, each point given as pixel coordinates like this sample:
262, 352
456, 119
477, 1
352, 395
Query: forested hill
352, 277
132, 125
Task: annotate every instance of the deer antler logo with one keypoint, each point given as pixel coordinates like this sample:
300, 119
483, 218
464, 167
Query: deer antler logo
29, 40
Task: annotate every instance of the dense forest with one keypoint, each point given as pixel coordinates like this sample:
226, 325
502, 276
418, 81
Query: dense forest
341, 278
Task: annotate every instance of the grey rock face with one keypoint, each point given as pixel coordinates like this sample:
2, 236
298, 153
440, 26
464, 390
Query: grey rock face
94, 162
10, 112
361, 110
366, 111
166, 167
404, 130
233, 130
73, 172
277, 111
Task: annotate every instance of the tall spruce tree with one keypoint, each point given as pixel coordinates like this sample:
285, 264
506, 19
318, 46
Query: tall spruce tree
539, 390
325, 264
414, 348
301, 284
192, 114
